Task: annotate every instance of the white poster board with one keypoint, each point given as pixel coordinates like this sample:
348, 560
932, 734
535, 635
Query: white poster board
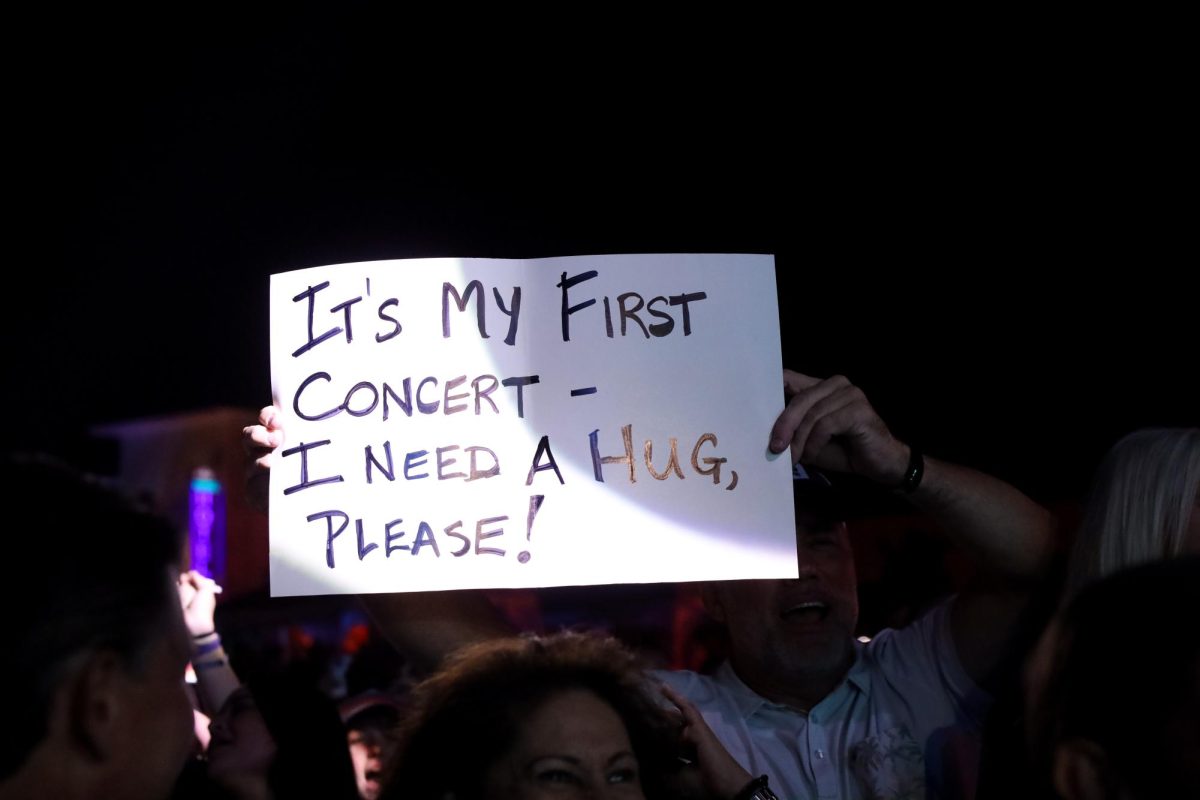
477, 423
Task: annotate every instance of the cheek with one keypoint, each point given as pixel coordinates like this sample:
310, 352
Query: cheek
500, 780
839, 571
359, 755
1037, 669
849, 573
175, 711
168, 734
1191, 542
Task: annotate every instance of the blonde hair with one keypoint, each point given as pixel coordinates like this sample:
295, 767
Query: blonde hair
1140, 506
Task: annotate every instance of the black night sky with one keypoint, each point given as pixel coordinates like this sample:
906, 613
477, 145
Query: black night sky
1003, 259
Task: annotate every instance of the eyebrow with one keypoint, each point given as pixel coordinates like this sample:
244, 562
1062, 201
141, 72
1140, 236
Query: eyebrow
810, 533
576, 761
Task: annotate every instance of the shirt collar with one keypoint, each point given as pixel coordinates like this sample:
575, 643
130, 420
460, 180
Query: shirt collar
859, 676
745, 700
748, 702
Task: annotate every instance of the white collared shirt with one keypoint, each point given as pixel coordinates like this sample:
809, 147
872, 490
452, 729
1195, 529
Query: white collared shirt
904, 723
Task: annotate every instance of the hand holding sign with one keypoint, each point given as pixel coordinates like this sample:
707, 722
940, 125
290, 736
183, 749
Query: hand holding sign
829, 423
260, 442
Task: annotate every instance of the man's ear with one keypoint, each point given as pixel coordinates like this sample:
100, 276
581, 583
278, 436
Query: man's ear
1081, 771
710, 595
96, 704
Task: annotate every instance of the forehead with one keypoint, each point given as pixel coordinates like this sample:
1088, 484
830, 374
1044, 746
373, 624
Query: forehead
574, 726
809, 521
573, 719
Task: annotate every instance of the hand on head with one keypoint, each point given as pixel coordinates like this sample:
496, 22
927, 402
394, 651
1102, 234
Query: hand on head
720, 774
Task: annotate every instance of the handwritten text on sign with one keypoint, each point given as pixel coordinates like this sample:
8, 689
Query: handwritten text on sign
456, 423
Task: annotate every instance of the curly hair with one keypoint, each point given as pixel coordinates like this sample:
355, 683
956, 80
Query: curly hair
467, 715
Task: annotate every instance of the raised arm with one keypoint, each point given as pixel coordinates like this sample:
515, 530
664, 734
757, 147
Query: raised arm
829, 424
215, 679
428, 626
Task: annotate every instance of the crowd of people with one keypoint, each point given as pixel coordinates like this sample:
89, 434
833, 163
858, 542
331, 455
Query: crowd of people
1103, 681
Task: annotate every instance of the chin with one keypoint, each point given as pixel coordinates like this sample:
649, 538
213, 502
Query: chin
832, 656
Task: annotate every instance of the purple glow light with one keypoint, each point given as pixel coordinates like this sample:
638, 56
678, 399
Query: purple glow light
206, 525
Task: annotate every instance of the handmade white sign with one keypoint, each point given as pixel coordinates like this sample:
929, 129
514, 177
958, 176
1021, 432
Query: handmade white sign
473, 423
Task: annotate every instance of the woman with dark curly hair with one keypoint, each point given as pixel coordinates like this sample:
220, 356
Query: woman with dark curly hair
559, 716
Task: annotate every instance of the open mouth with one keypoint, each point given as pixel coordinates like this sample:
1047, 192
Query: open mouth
809, 611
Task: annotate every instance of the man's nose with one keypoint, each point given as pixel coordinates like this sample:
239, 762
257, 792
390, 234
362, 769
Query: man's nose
806, 567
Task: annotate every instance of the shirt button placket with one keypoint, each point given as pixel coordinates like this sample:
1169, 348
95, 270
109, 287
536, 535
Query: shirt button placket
822, 769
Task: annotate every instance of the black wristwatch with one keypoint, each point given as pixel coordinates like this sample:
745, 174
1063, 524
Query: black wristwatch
756, 789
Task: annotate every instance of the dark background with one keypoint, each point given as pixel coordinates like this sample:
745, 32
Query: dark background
994, 239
